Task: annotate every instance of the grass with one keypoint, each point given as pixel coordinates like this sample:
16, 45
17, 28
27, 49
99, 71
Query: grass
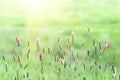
75, 16
64, 68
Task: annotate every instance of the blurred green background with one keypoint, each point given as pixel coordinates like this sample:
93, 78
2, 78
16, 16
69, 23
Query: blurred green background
48, 19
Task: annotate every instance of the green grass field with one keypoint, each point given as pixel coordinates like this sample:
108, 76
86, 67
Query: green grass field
60, 63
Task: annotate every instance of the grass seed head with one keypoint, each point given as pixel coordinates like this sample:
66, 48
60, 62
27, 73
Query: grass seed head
28, 53
27, 75
75, 68
23, 76
99, 66
59, 39
73, 37
43, 50
3, 57
38, 44
84, 66
100, 46
88, 28
18, 41
96, 55
84, 78
26, 66
114, 69
83, 43
19, 59
65, 64
6, 67
113, 58
62, 61
106, 46
68, 46
88, 52
40, 57
95, 63
48, 50
94, 42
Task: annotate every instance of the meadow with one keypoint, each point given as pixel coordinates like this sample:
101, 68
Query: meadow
78, 41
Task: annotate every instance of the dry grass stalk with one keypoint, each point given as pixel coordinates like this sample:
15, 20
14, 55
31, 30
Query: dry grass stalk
83, 43
19, 60
106, 46
62, 61
18, 41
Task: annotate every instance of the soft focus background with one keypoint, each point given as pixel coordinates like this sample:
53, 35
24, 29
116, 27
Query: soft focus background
48, 19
